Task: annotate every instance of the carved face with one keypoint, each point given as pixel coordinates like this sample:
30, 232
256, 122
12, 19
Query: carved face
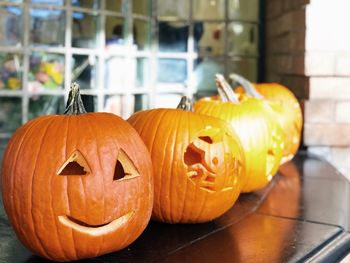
198, 164
209, 161
81, 186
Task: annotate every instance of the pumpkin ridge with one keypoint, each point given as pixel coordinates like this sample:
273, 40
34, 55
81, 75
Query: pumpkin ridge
12, 180
31, 188
161, 189
175, 143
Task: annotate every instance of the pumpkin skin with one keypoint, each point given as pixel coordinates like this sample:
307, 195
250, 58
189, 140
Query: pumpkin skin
62, 212
289, 114
198, 164
262, 151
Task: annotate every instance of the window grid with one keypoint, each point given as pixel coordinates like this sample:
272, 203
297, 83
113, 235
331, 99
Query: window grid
127, 91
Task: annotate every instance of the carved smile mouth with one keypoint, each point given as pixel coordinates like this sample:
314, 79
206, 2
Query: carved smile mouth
94, 230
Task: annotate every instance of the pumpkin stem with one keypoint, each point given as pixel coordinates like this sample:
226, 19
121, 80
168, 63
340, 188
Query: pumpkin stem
246, 85
74, 104
225, 91
185, 104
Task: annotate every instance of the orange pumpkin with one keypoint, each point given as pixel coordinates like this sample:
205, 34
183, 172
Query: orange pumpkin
198, 163
77, 185
261, 136
288, 111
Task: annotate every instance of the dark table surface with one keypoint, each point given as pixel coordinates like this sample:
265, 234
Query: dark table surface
303, 215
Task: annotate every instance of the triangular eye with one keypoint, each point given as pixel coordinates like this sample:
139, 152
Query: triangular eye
75, 165
124, 168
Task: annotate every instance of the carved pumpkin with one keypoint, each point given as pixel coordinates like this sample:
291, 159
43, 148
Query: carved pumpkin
197, 163
77, 185
288, 111
261, 136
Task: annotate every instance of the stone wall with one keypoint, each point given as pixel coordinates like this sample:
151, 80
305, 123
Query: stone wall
308, 50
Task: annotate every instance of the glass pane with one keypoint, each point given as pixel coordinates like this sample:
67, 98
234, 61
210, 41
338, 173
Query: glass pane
210, 38
11, 26
114, 5
47, 27
48, 2
247, 67
12, 1
204, 73
172, 70
11, 69
173, 36
213, 9
84, 71
143, 72
141, 102
90, 103
113, 104
142, 34
167, 100
45, 105
10, 114
114, 73
3, 144
114, 31
85, 30
244, 10
242, 39
93, 4
46, 72
141, 7
172, 10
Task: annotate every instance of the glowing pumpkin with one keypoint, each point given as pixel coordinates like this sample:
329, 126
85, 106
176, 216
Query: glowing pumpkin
287, 108
261, 136
77, 185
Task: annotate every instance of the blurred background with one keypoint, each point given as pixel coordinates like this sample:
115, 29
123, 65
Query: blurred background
129, 55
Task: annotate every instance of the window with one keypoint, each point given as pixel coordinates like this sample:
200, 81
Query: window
127, 55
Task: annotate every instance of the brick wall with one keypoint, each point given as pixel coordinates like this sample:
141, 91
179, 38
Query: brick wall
308, 50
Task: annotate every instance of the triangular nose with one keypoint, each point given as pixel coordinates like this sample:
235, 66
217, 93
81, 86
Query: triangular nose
75, 165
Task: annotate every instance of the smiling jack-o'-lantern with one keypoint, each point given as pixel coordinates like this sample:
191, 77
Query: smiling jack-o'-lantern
77, 185
198, 163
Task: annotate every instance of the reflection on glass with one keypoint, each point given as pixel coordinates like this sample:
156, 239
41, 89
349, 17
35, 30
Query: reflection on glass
47, 27
11, 68
45, 105
46, 72
172, 10
142, 34
114, 32
113, 74
211, 38
12, 1
141, 102
84, 31
90, 103
113, 104
84, 71
11, 27
93, 4
10, 114
213, 9
244, 9
141, 7
242, 39
172, 70
167, 100
204, 74
48, 2
247, 67
114, 5
143, 72
173, 36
